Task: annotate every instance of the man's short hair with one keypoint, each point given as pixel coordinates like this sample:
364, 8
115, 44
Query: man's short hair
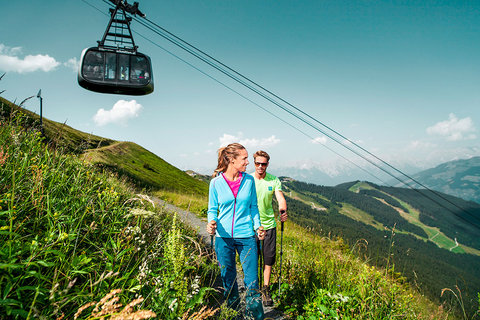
261, 153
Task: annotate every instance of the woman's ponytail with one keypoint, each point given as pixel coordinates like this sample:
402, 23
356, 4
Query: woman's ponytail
225, 155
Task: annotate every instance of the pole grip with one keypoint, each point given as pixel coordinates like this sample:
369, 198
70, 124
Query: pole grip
282, 225
282, 212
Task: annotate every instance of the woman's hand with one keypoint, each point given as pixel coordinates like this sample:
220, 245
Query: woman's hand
261, 233
211, 227
283, 215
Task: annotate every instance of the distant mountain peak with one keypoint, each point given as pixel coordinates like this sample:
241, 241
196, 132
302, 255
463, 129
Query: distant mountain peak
460, 178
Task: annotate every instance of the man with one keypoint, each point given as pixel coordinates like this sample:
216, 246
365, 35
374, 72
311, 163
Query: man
266, 185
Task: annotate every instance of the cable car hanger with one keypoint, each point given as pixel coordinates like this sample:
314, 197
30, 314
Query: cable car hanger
115, 66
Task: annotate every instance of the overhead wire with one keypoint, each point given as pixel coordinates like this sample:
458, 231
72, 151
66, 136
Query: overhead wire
279, 102
237, 92
255, 87
252, 88
260, 106
248, 83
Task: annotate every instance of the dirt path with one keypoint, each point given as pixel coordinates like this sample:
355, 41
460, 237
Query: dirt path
199, 225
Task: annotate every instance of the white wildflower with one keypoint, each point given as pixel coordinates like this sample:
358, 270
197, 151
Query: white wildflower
173, 304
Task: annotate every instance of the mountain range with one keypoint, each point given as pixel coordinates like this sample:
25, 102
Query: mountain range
459, 178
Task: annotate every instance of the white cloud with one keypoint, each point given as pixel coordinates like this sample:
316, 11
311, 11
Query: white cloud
227, 139
249, 143
10, 62
420, 145
454, 129
320, 140
121, 112
73, 64
10, 51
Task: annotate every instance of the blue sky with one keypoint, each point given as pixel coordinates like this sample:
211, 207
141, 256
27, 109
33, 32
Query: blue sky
400, 78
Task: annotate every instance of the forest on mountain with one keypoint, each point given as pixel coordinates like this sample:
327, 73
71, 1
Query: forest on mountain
455, 217
405, 255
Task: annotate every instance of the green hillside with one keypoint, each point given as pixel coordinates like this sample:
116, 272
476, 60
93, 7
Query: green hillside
424, 254
454, 217
57, 134
145, 168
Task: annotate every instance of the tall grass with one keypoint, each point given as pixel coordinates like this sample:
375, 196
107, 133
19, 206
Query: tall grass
323, 279
70, 234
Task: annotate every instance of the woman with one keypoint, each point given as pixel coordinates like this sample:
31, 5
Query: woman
233, 216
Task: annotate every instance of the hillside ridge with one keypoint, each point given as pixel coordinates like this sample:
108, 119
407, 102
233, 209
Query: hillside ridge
459, 178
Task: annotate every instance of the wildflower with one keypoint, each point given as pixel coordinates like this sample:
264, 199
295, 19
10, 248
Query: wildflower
172, 305
3, 156
141, 212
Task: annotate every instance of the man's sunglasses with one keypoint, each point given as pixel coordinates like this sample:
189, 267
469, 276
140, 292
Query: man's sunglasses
258, 164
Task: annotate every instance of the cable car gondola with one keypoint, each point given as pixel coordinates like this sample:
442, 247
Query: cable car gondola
115, 66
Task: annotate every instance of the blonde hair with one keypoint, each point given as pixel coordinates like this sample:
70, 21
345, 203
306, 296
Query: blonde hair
261, 153
225, 155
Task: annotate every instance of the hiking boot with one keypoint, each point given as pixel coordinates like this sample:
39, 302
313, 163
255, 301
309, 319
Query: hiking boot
266, 297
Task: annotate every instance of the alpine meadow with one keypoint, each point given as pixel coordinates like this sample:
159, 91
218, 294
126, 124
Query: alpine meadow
83, 238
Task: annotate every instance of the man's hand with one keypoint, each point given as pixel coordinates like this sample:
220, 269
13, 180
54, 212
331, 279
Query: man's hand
283, 215
211, 227
261, 233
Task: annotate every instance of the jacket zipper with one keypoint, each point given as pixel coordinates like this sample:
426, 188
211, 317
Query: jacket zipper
235, 197
234, 207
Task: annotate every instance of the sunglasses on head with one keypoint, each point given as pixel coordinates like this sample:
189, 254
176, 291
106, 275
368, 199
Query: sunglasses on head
258, 164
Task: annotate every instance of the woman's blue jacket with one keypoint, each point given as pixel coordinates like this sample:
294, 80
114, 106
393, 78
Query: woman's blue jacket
236, 217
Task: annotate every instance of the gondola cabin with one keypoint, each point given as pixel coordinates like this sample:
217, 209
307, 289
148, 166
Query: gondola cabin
115, 72
115, 66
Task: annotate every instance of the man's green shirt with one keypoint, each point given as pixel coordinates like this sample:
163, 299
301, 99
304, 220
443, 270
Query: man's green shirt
265, 190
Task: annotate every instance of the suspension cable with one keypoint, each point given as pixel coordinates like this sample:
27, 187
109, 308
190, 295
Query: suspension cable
255, 87
296, 112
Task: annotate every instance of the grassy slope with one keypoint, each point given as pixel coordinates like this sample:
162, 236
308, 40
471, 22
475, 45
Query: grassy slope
412, 216
327, 281
58, 134
70, 233
146, 168
433, 266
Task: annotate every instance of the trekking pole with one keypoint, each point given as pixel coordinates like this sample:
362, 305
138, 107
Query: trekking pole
261, 264
281, 254
212, 238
